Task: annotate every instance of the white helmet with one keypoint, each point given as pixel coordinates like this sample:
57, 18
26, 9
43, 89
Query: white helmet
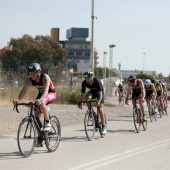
147, 82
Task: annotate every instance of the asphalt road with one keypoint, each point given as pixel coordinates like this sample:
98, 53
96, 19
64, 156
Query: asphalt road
122, 148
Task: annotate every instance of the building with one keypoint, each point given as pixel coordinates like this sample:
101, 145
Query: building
78, 48
127, 73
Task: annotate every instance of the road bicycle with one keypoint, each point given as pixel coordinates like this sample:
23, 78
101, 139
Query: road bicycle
138, 117
151, 110
92, 121
121, 99
30, 135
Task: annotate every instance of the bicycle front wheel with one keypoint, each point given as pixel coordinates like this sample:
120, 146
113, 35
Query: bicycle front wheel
53, 137
136, 119
89, 125
150, 112
26, 137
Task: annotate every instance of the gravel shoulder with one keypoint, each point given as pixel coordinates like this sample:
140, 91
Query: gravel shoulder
67, 115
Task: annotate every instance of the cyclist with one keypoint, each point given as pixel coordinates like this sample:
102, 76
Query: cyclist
138, 91
46, 94
150, 92
159, 90
121, 91
96, 91
165, 91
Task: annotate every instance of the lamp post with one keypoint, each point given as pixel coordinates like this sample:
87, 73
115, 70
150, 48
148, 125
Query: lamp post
104, 69
92, 37
119, 64
110, 65
143, 62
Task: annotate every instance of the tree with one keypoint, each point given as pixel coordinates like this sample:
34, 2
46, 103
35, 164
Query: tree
145, 76
25, 50
98, 71
160, 76
22, 51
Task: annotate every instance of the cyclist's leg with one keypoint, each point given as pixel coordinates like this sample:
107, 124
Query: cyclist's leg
153, 102
88, 96
48, 99
142, 106
102, 116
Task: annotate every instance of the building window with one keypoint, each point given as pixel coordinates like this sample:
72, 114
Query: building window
87, 46
86, 54
71, 53
79, 54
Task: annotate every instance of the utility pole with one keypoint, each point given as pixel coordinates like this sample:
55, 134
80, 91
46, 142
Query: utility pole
110, 66
104, 69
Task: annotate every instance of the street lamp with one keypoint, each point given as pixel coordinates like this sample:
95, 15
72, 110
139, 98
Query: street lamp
110, 65
104, 69
119, 64
92, 38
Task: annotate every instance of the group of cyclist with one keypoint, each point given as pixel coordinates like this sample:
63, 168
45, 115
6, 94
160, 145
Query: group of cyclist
144, 90
47, 93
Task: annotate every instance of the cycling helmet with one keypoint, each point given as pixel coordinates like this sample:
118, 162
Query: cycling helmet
88, 74
147, 82
34, 67
131, 79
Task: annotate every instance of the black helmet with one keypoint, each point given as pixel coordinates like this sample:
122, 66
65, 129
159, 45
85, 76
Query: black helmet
131, 79
88, 74
34, 67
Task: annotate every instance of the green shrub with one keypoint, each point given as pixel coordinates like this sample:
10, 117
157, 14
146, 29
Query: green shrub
64, 95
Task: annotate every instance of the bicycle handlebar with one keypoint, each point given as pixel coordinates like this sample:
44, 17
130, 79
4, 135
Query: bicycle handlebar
30, 104
88, 101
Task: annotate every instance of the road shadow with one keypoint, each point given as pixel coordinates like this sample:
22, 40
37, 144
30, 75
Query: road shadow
11, 155
125, 131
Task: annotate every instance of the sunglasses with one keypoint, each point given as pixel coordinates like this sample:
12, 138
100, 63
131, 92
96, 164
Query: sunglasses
34, 72
132, 81
87, 78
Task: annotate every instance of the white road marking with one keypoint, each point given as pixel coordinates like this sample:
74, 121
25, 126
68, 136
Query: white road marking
120, 156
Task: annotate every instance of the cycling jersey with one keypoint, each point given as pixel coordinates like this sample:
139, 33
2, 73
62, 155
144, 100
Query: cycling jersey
95, 87
51, 96
136, 90
158, 89
149, 91
39, 85
120, 89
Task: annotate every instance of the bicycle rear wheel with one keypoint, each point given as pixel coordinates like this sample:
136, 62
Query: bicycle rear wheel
26, 137
53, 137
136, 116
89, 125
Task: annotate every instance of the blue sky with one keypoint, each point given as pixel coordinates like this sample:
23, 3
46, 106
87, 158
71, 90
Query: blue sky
134, 26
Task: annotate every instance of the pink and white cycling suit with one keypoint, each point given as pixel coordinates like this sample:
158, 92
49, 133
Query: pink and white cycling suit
51, 96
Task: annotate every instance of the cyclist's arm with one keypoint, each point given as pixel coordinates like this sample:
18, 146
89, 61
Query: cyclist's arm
165, 90
46, 85
142, 89
100, 97
129, 87
154, 89
24, 90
